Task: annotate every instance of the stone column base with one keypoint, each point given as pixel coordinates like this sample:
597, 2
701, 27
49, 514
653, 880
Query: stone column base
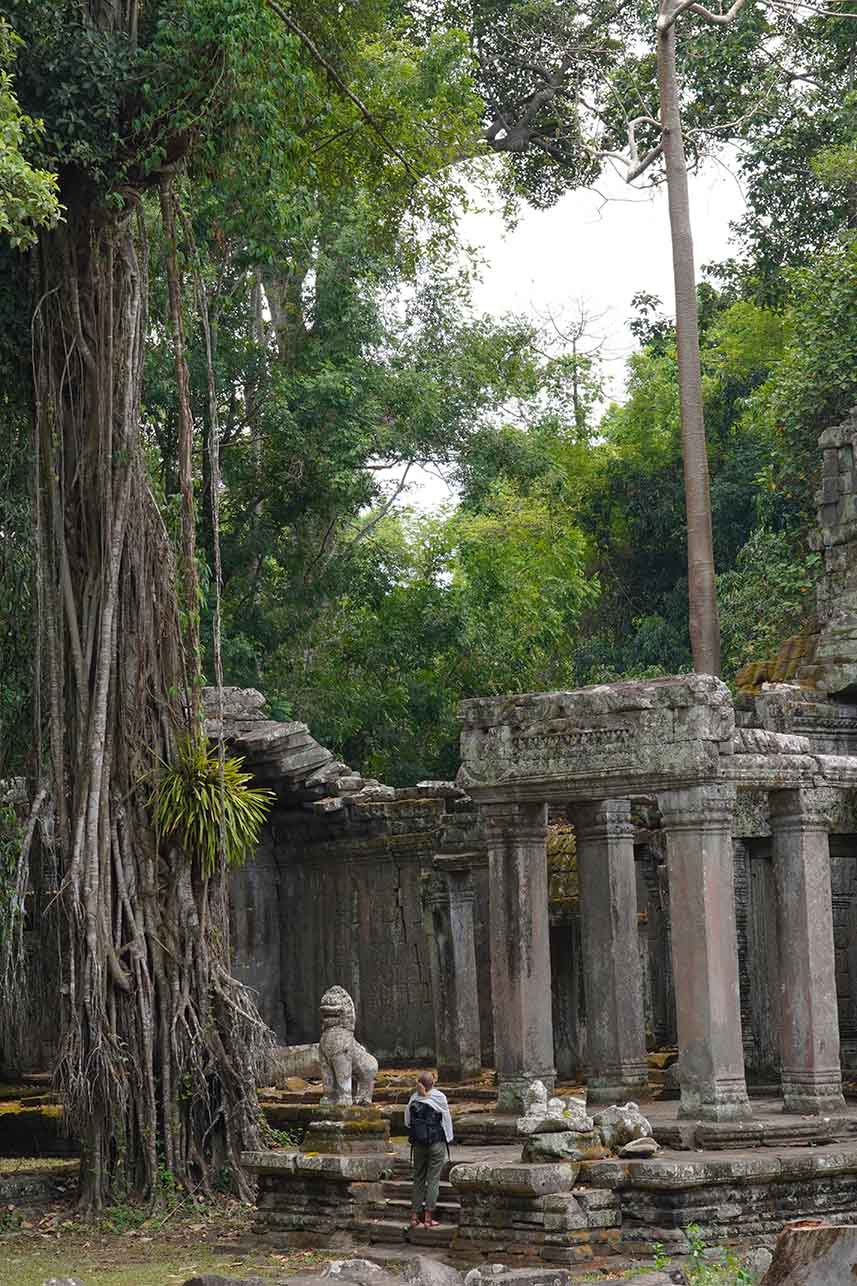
725, 1101
813, 1094
618, 1085
348, 1131
511, 1089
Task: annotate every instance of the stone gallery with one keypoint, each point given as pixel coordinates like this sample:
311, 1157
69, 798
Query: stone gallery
432, 905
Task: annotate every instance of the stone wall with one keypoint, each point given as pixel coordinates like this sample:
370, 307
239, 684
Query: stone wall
341, 902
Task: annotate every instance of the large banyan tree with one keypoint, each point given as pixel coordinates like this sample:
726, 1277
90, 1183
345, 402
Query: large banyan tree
158, 1041
149, 106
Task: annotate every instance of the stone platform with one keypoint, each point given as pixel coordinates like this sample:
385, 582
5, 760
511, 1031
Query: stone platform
739, 1191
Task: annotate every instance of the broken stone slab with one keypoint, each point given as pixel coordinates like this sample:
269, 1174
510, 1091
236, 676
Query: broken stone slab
536, 1099
618, 1125
655, 1278
527, 1125
555, 1116
349, 783
609, 1173
329, 806
325, 775
238, 703
269, 736
645, 1147
296, 764
374, 794
440, 789
520, 1180
570, 1109
543, 1115
819, 1255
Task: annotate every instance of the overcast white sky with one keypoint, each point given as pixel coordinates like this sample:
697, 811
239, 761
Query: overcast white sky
600, 253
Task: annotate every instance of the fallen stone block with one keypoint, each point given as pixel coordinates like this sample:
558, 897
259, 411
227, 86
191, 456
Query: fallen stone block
571, 1147
618, 1125
422, 1271
517, 1277
645, 1147
823, 1255
358, 1272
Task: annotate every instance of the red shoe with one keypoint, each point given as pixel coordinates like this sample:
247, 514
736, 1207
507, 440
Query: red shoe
428, 1222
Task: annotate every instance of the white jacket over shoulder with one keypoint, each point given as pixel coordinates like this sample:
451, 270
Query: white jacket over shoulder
437, 1100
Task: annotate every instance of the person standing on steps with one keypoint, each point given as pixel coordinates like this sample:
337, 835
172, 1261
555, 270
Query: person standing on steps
429, 1127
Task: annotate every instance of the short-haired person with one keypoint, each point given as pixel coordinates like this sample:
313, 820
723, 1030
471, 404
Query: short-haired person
429, 1127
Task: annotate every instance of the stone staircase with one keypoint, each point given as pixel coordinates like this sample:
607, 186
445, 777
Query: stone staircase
388, 1220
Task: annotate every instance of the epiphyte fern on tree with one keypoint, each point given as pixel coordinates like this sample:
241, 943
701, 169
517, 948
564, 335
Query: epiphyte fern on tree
195, 807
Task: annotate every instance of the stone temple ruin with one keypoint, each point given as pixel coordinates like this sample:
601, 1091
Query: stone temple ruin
715, 911
711, 913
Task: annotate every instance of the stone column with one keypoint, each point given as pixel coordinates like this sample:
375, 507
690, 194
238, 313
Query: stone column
448, 899
812, 1080
520, 949
698, 826
612, 980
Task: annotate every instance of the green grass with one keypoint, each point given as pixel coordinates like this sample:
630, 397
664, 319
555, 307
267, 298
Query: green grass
140, 1266
164, 1250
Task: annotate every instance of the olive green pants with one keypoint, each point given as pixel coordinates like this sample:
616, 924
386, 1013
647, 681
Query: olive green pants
428, 1163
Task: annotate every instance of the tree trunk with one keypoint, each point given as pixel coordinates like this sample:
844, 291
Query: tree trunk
701, 587
158, 1042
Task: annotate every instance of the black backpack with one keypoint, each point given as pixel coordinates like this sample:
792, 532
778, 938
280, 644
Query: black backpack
426, 1124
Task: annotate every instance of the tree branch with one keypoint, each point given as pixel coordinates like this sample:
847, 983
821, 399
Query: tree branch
333, 75
666, 20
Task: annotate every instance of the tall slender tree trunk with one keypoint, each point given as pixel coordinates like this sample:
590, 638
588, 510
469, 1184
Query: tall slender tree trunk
158, 1043
701, 586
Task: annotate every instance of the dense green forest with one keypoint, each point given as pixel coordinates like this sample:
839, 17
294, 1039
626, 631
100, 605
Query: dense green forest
345, 342
345, 346
235, 302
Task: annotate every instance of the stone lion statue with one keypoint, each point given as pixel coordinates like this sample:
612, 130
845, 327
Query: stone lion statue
343, 1059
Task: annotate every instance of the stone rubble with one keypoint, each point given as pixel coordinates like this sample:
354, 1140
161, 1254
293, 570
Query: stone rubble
620, 1125
643, 1147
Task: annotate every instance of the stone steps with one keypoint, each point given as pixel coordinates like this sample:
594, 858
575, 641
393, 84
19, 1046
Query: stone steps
389, 1220
396, 1231
445, 1210
401, 1188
